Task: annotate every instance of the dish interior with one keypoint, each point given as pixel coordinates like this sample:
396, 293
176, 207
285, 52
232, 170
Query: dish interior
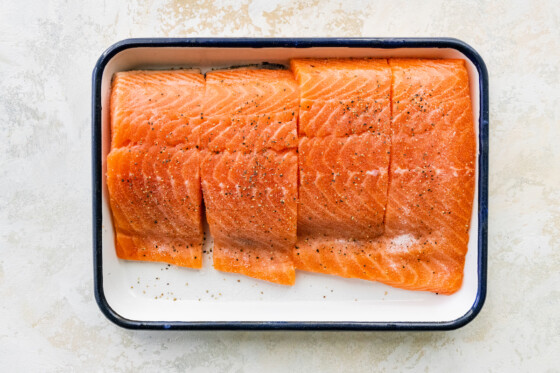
143, 291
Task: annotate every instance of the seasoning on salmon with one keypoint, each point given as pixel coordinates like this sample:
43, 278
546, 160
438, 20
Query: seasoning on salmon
357, 167
430, 192
402, 261
342, 186
432, 168
249, 110
341, 97
344, 156
153, 167
251, 205
156, 108
249, 171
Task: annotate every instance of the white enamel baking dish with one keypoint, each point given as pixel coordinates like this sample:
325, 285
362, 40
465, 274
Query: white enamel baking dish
158, 296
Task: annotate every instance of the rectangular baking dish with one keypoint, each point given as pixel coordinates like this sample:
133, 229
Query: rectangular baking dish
143, 295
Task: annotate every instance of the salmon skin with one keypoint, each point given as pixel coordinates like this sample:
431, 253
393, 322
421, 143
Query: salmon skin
153, 175
249, 171
423, 238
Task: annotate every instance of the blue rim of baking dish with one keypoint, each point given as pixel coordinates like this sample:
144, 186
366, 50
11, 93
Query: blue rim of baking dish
380, 43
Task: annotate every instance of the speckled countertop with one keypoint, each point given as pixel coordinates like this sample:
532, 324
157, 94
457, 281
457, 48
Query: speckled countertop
48, 317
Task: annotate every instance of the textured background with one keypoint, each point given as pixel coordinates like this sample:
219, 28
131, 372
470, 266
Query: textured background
48, 318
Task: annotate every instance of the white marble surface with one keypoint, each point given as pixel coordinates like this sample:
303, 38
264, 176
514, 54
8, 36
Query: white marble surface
48, 318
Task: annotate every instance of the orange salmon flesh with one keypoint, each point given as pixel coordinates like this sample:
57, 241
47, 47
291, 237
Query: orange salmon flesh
361, 168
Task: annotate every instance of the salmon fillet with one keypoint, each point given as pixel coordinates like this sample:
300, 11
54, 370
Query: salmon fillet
155, 199
344, 147
250, 110
361, 168
430, 192
344, 127
156, 107
153, 168
432, 114
251, 206
432, 176
400, 261
341, 97
249, 171
342, 186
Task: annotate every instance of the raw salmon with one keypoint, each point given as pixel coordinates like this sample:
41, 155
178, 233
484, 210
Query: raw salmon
342, 186
251, 206
249, 171
432, 114
401, 261
155, 200
153, 169
433, 163
430, 192
249, 110
362, 168
341, 97
344, 127
156, 107
344, 151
